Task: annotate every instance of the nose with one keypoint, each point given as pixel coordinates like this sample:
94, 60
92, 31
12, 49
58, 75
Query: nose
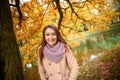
51, 37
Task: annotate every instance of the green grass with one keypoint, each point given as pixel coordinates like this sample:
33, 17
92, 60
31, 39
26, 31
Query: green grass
109, 44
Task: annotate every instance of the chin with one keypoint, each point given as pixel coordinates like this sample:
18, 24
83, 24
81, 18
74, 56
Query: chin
52, 45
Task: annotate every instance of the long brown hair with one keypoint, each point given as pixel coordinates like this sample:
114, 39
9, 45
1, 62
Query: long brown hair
59, 38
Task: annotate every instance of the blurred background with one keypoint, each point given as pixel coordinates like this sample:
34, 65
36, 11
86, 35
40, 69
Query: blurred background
91, 27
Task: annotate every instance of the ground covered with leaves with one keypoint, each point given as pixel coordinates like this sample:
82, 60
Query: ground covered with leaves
105, 67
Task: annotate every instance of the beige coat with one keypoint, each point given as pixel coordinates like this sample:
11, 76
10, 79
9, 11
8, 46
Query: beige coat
66, 69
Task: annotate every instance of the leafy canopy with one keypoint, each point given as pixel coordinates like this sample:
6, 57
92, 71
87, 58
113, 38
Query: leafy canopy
71, 16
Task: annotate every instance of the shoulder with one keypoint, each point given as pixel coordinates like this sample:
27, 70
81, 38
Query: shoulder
40, 50
68, 48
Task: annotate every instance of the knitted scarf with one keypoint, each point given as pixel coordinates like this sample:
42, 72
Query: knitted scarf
54, 54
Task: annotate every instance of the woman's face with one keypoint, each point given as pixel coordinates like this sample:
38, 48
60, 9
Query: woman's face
50, 37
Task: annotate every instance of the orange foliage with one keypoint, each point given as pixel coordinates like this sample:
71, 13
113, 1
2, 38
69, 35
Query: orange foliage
96, 15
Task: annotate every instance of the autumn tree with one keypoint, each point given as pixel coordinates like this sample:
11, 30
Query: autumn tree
71, 16
10, 61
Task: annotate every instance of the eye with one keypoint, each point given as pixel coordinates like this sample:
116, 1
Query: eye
47, 34
53, 34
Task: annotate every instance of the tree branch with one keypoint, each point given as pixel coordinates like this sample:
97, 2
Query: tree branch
19, 11
60, 12
73, 11
17, 2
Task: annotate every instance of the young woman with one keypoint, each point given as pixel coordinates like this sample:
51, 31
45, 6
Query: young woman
56, 60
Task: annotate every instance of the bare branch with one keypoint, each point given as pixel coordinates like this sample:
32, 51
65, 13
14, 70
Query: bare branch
13, 5
73, 11
17, 2
60, 12
70, 28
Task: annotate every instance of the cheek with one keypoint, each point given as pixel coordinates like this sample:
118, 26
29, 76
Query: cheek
46, 38
55, 37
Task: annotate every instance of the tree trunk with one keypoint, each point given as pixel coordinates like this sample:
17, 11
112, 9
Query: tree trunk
10, 60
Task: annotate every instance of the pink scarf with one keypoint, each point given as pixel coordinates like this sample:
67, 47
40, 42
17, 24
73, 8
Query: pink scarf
54, 54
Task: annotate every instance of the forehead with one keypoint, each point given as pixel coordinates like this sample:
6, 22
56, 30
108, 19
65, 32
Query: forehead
49, 30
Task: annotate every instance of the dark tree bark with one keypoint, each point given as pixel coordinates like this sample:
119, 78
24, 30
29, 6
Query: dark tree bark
10, 60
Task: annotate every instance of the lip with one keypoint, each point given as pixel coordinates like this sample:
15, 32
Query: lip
51, 42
